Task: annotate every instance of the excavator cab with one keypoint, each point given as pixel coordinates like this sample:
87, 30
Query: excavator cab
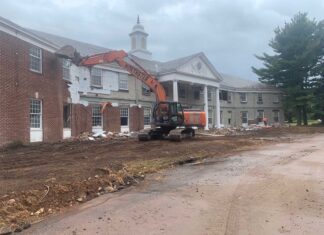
168, 114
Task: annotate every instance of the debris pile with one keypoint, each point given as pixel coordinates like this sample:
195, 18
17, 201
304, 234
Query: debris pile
92, 136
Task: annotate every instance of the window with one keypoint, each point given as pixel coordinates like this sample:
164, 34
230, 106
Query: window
223, 95
210, 116
244, 117
124, 116
229, 97
276, 115
229, 117
146, 90
67, 116
147, 116
209, 95
35, 113
260, 98
260, 115
182, 92
221, 117
197, 94
96, 115
66, 69
166, 91
96, 77
123, 82
276, 99
243, 98
35, 59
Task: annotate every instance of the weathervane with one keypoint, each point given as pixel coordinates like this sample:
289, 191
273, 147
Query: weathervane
138, 19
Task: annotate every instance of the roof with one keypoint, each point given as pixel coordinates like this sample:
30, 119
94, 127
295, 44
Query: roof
152, 66
231, 81
82, 47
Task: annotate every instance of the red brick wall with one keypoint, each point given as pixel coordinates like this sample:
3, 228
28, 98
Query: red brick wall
19, 84
136, 118
111, 119
81, 120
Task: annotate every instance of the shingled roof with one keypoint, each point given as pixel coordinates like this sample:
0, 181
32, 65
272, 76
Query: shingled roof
83, 48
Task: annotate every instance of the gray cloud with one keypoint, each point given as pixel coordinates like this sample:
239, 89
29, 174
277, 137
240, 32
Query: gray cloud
229, 32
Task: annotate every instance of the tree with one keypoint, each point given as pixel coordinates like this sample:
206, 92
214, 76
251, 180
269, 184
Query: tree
296, 49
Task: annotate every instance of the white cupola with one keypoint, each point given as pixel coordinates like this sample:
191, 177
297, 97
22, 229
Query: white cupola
138, 38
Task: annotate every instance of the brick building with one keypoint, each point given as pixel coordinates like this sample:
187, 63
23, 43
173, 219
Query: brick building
46, 98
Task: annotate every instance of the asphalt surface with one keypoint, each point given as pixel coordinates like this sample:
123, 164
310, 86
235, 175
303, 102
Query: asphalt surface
278, 189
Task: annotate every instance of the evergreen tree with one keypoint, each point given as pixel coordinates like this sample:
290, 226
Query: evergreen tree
296, 49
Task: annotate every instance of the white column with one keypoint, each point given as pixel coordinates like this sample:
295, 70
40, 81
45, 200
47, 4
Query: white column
206, 105
175, 91
218, 124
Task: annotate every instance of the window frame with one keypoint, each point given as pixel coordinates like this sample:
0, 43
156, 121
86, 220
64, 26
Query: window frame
66, 67
147, 117
276, 99
241, 95
94, 75
123, 79
196, 94
40, 58
40, 113
209, 95
182, 92
69, 116
276, 116
229, 97
259, 98
247, 117
95, 115
121, 109
210, 116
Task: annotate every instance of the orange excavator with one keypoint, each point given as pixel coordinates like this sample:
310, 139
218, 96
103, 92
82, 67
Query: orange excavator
169, 119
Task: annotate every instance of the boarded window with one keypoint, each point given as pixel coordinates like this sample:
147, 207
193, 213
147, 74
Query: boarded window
35, 59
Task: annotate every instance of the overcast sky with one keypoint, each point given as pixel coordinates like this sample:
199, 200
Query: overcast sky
229, 32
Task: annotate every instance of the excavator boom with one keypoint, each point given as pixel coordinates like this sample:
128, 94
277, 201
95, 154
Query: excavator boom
136, 70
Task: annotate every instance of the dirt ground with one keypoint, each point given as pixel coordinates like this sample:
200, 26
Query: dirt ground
42, 179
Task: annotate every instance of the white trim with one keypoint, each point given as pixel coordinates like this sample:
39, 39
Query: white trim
28, 37
188, 78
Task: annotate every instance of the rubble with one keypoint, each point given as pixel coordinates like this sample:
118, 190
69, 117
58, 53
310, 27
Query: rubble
86, 136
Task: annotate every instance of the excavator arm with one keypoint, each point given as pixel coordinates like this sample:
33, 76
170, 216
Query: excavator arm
136, 70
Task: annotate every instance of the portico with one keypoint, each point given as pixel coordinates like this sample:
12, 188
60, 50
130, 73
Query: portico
193, 93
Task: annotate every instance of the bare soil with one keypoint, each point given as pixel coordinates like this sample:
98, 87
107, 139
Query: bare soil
42, 179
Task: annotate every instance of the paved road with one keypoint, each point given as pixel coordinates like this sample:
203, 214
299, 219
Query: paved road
276, 190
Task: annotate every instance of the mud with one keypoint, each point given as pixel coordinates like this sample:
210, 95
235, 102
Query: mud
49, 178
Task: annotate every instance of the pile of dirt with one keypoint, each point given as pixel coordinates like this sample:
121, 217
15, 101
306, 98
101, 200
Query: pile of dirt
21, 208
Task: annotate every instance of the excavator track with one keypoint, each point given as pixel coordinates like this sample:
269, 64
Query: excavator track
181, 133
